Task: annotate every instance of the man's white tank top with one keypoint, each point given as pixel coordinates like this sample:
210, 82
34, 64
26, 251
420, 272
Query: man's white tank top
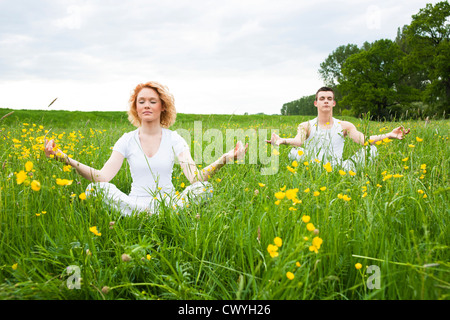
326, 145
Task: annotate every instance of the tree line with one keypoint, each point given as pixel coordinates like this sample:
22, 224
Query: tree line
408, 77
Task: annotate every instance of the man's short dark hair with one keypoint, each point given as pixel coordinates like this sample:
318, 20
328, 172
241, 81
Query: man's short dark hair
324, 89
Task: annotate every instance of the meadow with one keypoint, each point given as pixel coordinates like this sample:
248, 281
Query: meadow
304, 233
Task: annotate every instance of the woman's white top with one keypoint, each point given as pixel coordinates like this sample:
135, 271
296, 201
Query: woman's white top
151, 173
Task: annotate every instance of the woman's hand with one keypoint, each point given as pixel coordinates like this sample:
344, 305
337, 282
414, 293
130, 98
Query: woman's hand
50, 150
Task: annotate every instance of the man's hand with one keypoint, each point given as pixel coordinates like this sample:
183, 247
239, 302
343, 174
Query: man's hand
275, 139
398, 133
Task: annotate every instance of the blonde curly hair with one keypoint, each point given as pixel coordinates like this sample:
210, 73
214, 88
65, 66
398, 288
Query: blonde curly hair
168, 115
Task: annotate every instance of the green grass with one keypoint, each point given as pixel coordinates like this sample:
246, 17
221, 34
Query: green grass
219, 250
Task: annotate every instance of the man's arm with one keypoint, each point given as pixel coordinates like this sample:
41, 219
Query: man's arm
358, 137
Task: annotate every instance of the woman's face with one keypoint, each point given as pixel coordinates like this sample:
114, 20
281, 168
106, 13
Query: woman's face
148, 105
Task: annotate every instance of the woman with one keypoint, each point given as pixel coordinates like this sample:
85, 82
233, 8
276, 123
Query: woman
150, 150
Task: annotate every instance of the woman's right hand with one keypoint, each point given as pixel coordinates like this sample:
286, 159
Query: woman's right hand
50, 149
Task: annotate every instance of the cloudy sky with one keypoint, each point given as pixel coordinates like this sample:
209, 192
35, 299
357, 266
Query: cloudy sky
224, 57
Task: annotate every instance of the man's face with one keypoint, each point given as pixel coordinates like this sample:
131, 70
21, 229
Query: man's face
325, 101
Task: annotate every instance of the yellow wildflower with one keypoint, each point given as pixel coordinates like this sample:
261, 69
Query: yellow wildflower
352, 173
82, 196
346, 198
419, 139
306, 190
291, 193
294, 164
405, 159
14, 266
358, 266
21, 177
280, 195
323, 188
300, 152
261, 185
29, 166
95, 231
35, 185
290, 275
316, 193
291, 169
317, 242
310, 227
313, 248
327, 167
306, 219
342, 172
272, 250
63, 182
278, 242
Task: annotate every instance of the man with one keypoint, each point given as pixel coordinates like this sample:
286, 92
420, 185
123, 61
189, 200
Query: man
323, 137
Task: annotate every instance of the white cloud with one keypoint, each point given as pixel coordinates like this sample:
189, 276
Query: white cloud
76, 16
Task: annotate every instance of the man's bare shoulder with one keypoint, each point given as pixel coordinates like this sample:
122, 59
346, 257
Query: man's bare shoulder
346, 125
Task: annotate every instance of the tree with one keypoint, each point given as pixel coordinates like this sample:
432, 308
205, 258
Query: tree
427, 42
371, 80
330, 69
303, 106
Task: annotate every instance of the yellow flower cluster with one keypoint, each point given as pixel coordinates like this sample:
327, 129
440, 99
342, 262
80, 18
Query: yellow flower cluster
290, 194
24, 177
344, 197
423, 168
273, 249
95, 231
316, 241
